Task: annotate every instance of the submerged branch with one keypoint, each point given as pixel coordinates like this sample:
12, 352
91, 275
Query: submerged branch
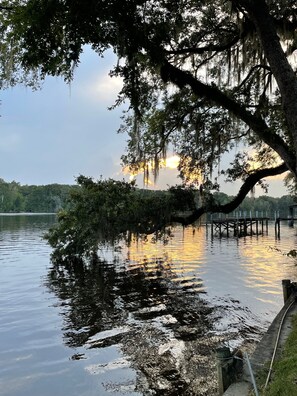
248, 184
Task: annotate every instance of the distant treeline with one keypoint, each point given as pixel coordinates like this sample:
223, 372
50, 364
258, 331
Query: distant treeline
264, 205
15, 198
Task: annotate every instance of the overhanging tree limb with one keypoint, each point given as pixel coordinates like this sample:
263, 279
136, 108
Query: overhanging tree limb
182, 78
248, 184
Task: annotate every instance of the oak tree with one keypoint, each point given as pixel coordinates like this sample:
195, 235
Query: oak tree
203, 77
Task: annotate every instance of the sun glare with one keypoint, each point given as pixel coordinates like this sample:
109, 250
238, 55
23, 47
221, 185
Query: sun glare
172, 162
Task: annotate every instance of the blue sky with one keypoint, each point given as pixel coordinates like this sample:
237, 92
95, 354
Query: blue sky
54, 134
59, 132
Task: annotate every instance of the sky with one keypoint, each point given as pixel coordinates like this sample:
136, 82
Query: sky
55, 134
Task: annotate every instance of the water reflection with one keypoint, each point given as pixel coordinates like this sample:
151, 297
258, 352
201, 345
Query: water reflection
183, 258
167, 308
88, 294
22, 221
164, 331
265, 265
144, 321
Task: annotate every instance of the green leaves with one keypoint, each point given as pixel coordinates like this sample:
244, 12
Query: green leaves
108, 211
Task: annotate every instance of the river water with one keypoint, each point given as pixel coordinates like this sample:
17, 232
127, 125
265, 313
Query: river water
144, 320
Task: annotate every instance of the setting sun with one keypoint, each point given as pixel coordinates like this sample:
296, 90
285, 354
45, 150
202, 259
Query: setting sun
172, 162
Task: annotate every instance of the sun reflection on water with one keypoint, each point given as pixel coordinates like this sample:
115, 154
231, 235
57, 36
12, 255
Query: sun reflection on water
250, 269
266, 266
181, 260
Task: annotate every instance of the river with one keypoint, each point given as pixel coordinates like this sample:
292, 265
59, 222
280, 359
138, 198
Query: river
144, 320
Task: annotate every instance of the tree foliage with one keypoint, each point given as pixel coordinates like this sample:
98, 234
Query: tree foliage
203, 77
50, 198
107, 211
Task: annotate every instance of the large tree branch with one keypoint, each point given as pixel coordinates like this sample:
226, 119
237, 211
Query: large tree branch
207, 48
248, 184
182, 78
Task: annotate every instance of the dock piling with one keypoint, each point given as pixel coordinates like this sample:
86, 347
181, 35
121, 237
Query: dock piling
225, 363
241, 226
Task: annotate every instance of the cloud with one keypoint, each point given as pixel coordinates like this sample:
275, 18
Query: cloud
95, 84
104, 89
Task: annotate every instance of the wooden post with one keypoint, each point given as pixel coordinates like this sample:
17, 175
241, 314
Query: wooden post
226, 372
211, 227
291, 217
277, 228
236, 231
287, 289
244, 227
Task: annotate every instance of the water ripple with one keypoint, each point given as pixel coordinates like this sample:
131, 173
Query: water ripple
135, 323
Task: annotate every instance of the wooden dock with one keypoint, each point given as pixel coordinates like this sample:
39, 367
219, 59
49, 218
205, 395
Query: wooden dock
278, 220
241, 226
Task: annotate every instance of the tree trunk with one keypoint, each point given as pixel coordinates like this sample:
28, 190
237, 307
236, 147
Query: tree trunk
281, 68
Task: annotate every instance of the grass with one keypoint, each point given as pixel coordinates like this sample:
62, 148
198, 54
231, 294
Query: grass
284, 374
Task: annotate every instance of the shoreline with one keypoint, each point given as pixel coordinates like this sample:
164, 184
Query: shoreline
270, 346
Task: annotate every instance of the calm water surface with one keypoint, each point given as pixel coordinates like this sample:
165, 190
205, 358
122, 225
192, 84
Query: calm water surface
143, 321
